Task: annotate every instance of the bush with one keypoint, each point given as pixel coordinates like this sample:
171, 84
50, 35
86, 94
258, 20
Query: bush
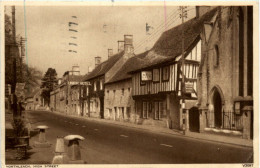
19, 127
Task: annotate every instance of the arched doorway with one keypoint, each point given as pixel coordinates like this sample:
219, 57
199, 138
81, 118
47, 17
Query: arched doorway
194, 120
217, 103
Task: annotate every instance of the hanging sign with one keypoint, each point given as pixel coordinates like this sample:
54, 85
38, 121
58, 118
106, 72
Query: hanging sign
189, 87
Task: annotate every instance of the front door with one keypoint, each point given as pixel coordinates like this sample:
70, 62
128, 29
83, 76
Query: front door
102, 107
194, 120
217, 109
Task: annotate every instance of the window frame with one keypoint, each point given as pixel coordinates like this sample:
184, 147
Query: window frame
157, 81
168, 75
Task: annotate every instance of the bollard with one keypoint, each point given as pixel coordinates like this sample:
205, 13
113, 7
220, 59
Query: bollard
60, 155
42, 143
73, 149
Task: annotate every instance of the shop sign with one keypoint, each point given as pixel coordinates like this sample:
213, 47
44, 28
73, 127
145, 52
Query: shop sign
146, 75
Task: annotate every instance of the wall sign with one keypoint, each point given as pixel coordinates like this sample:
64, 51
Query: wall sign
146, 75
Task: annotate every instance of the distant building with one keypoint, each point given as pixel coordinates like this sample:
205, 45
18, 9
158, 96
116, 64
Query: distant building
34, 101
119, 104
66, 96
103, 72
225, 79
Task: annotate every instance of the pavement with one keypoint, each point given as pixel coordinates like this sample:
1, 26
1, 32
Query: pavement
205, 136
123, 143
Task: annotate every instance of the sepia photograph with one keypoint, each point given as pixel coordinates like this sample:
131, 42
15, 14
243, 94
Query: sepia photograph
120, 83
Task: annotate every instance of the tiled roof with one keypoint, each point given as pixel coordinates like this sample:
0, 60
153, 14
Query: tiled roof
169, 45
130, 64
32, 94
76, 78
102, 68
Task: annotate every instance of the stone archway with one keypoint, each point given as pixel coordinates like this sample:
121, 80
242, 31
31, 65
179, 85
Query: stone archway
217, 103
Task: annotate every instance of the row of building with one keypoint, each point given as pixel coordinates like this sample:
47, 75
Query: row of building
147, 88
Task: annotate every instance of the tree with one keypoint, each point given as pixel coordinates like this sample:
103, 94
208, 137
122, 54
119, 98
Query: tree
49, 81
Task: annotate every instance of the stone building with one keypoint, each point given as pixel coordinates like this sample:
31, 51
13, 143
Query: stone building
225, 83
103, 73
66, 97
119, 104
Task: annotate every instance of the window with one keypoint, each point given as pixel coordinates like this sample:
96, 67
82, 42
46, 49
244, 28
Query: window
165, 73
145, 110
87, 91
95, 86
156, 111
36, 99
101, 84
156, 75
216, 56
129, 89
123, 92
81, 92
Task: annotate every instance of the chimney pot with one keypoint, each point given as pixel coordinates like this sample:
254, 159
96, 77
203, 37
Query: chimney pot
110, 53
97, 61
128, 47
120, 45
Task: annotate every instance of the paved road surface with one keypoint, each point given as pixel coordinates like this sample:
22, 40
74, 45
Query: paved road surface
112, 144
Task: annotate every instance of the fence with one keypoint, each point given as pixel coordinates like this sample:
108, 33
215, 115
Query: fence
229, 120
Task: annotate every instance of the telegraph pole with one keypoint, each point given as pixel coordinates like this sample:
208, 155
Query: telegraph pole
14, 64
183, 15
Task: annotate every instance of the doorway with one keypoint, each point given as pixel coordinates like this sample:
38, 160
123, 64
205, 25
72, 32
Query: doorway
194, 120
217, 102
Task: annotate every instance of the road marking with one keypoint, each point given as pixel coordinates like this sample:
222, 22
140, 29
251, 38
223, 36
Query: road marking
125, 136
166, 145
76, 124
65, 121
83, 126
96, 129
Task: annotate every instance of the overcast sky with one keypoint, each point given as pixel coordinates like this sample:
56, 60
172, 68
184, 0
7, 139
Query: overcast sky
99, 28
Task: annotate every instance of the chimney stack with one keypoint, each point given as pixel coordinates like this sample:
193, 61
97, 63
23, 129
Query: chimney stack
110, 53
97, 61
128, 47
75, 70
120, 45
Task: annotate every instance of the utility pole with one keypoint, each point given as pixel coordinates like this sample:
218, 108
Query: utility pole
14, 64
183, 15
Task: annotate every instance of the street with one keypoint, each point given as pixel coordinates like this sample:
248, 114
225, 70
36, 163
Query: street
112, 144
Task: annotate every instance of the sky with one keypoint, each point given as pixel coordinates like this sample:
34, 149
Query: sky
99, 28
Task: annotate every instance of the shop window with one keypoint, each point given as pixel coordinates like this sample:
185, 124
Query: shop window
156, 110
165, 73
156, 75
145, 110
128, 111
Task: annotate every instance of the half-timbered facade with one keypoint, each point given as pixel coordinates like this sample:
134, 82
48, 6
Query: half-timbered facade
156, 84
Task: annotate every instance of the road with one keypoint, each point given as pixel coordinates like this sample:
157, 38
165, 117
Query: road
107, 143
